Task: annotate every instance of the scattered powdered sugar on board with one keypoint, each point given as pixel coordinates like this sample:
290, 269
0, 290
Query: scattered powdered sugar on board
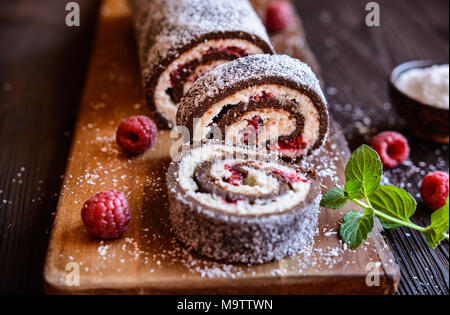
149, 242
324, 162
151, 246
310, 259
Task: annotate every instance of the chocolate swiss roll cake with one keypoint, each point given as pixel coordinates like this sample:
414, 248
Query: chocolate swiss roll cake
180, 40
273, 101
236, 204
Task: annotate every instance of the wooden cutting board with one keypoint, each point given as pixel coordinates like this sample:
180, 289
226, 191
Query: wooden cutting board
149, 259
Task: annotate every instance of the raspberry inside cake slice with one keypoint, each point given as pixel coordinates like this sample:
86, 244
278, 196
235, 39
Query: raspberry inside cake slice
181, 40
273, 102
241, 205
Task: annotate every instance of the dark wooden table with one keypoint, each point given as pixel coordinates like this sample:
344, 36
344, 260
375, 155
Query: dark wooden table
42, 69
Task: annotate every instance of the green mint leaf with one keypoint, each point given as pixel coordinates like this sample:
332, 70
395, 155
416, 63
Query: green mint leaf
364, 166
353, 188
394, 202
357, 227
335, 198
435, 233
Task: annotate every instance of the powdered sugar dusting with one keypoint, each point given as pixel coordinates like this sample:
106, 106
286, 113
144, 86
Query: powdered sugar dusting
165, 26
151, 243
148, 250
325, 162
253, 68
312, 259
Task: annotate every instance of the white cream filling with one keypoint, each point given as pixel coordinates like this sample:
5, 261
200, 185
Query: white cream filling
188, 166
257, 182
276, 123
166, 107
305, 107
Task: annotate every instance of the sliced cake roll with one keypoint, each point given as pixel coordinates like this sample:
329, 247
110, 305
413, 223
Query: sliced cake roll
272, 101
234, 204
180, 40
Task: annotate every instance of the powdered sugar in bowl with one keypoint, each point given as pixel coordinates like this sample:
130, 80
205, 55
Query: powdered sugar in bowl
420, 92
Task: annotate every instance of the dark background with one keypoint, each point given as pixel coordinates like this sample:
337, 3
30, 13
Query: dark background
43, 64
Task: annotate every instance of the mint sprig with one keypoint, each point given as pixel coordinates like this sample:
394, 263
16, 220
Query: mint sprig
335, 198
364, 168
435, 233
394, 202
392, 205
357, 227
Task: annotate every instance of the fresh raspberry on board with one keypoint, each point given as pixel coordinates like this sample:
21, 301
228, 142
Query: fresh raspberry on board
392, 147
434, 190
278, 16
106, 215
136, 134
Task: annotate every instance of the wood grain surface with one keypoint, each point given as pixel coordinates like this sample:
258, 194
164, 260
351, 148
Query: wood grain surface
43, 65
356, 62
149, 259
42, 69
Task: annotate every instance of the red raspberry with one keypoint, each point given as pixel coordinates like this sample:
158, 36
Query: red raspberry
106, 215
278, 16
434, 190
236, 178
136, 134
392, 147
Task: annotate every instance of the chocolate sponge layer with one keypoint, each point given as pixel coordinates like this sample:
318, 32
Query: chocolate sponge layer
241, 238
165, 29
239, 76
